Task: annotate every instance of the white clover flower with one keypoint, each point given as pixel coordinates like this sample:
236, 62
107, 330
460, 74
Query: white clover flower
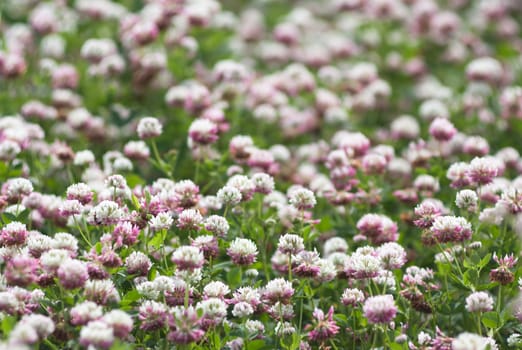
64, 240
188, 257
242, 251
122, 164
242, 309
514, 339
467, 199
9, 150
148, 290
18, 187
149, 127
327, 270
290, 244
245, 185
190, 276
95, 49
335, 245
264, 183
423, 338
361, 265
444, 257
43, 325
105, 213
136, 150
96, 334
254, 327
216, 224
213, 308
302, 198
229, 195
479, 302
84, 157
216, 289
162, 221
53, 259
471, 341
387, 279
352, 297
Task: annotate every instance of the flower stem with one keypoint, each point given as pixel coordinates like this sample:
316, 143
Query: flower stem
290, 267
88, 241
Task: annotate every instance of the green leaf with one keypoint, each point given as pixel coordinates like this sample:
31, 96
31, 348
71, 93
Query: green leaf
222, 265
492, 320
8, 217
341, 317
130, 297
133, 180
119, 345
468, 264
234, 276
256, 344
470, 277
325, 224
226, 328
484, 261
306, 233
296, 340
158, 239
135, 202
23, 215
487, 286
444, 268
8, 323
473, 261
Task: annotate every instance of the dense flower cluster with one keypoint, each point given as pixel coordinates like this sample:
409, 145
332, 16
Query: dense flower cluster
197, 174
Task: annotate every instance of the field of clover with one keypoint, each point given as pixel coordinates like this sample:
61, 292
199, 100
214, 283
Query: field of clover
263, 174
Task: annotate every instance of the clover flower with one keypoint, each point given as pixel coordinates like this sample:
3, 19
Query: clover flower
242, 251
188, 257
479, 302
502, 273
324, 326
451, 229
380, 309
185, 326
149, 127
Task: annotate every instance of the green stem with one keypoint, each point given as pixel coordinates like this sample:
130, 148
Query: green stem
443, 252
146, 240
50, 344
265, 262
386, 335
70, 173
163, 252
196, 176
499, 299
290, 267
187, 293
88, 241
160, 161
301, 311
155, 152
374, 341
502, 235
479, 327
